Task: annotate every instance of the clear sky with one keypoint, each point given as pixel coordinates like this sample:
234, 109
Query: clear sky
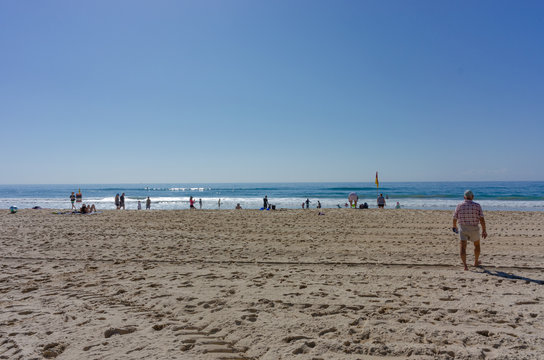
268, 91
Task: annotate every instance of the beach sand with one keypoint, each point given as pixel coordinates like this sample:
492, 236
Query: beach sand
286, 284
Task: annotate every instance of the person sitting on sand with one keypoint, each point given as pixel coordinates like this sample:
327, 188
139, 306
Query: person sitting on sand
469, 214
238, 207
87, 209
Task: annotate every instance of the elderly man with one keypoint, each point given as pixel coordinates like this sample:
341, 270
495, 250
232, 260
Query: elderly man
469, 214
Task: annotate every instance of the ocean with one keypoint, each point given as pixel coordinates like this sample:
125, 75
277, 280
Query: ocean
514, 196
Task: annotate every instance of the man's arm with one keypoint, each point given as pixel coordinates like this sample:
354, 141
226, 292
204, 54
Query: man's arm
484, 232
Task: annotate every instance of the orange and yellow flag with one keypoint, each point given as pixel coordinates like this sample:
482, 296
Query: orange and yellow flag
377, 183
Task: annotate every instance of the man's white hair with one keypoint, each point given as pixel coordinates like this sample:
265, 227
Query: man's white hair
469, 194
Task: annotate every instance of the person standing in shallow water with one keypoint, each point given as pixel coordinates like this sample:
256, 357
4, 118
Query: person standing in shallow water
469, 215
73, 199
381, 201
117, 202
148, 204
265, 202
122, 201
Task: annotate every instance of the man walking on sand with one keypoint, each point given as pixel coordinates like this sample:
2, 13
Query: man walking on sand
469, 214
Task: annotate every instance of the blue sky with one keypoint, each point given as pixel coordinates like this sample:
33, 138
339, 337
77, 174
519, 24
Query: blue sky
245, 91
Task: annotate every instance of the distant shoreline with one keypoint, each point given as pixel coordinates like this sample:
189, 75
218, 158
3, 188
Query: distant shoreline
514, 196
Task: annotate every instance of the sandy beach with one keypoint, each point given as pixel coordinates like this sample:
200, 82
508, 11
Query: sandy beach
286, 284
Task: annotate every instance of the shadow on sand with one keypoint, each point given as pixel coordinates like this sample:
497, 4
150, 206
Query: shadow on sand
511, 276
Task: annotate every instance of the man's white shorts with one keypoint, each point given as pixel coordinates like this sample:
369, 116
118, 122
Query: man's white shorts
469, 233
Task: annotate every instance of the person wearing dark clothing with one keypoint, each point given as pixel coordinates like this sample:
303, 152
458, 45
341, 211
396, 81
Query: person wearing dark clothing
72, 200
87, 209
381, 201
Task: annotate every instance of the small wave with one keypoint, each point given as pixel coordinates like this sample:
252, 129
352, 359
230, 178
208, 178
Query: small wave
347, 188
424, 196
116, 190
200, 189
524, 198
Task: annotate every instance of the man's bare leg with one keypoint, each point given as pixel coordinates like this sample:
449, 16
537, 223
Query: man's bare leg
463, 251
477, 253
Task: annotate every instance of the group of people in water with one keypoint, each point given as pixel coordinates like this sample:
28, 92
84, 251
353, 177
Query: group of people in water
353, 198
120, 202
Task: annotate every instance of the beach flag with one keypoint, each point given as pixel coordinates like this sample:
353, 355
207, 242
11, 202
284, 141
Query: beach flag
377, 183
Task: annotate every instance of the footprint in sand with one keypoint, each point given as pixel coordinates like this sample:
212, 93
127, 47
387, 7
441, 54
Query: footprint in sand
53, 350
118, 331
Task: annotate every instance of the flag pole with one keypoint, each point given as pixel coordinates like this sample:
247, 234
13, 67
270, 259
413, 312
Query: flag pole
377, 184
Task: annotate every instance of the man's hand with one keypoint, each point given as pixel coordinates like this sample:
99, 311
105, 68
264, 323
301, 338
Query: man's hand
482, 222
